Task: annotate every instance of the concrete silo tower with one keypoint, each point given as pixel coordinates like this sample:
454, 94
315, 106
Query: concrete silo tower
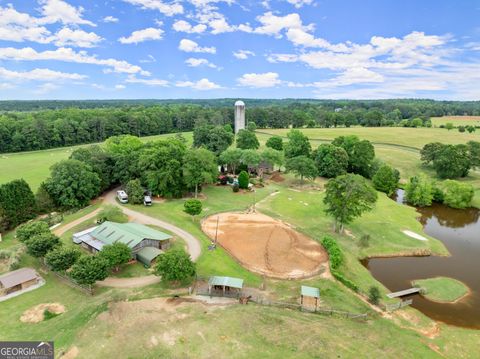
239, 116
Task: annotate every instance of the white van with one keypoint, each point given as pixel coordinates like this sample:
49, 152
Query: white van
147, 200
122, 196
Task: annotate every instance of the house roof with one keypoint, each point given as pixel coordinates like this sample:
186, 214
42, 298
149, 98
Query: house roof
129, 233
19, 276
226, 281
310, 292
147, 254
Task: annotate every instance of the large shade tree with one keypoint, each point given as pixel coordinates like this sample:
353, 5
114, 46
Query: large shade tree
199, 168
331, 161
175, 266
247, 140
302, 166
72, 184
17, 203
298, 144
348, 197
232, 157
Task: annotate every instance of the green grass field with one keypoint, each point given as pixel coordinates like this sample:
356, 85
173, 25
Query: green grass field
34, 167
442, 289
456, 120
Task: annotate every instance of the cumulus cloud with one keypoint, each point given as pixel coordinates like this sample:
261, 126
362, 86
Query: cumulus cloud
202, 85
196, 62
38, 75
299, 3
184, 26
110, 19
191, 46
60, 11
142, 35
243, 54
168, 9
263, 80
78, 38
69, 55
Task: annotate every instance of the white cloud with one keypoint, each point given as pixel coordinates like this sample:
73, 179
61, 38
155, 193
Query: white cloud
166, 9
45, 88
268, 79
299, 3
69, 55
273, 25
243, 54
38, 75
195, 62
78, 38
60, 11
184, 26
149, 59
150, 82
142, 35
191, 46
18, 27
120, 87
203, 84
110, 19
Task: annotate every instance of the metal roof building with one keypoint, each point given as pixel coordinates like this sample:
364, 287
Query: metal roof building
17, 280
146, 243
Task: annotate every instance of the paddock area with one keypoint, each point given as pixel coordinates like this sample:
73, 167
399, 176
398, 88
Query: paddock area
267, 246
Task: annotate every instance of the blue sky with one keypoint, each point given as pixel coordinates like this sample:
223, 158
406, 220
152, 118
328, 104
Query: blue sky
55, 49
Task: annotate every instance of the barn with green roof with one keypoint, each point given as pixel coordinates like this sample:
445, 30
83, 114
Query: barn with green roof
146, 243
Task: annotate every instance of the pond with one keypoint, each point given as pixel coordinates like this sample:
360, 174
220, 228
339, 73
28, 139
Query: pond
459, 230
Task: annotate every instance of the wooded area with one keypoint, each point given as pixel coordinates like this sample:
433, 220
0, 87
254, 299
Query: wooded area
36, 125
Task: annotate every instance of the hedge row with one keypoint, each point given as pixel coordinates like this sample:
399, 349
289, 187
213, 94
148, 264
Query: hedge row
347, 282
334, 252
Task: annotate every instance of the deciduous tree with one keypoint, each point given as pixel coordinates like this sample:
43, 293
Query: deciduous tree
302, 166
386, 179
89, 269
175, 266
247, 140
115, 255
62, 258
298, 144
331, 161
199, 168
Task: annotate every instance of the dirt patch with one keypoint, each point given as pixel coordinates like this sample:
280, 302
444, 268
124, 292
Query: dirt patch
36, 314
277, 177
71, 353
267, 246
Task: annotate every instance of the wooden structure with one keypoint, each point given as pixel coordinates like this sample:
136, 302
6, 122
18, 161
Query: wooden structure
310, 292
227, 286
136, 236
403, 293
17, 280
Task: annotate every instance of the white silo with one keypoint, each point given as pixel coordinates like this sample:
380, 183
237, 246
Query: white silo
239, 116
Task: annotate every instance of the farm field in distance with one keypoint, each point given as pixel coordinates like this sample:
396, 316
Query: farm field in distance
456, 120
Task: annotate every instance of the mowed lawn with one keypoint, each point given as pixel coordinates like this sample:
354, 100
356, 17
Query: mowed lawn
34, 167
456, 120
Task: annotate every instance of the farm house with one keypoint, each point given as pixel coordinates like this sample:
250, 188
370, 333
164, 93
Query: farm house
146, 243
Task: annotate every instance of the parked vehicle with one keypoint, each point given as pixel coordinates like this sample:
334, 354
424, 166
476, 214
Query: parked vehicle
147, 200
122, 196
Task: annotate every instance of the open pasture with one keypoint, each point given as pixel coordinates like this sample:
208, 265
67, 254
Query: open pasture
456, 120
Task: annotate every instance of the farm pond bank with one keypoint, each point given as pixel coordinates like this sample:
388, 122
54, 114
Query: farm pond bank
459, 230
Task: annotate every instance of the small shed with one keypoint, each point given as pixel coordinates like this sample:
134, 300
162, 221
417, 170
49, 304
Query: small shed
19, 279
310, 292
147, 255
227, 286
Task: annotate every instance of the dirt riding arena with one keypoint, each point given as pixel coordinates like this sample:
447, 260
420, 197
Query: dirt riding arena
267, 246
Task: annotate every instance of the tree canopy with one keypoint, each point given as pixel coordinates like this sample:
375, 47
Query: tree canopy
200, 167
175, 266
89, 269
386, 179
115, 254
17, 203
331, 161
298, 144
302, 166
247, 139
348, 197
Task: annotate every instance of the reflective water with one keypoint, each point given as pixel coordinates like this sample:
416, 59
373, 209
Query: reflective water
459, 230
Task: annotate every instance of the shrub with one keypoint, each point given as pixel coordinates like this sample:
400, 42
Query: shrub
175, 265
374, 295
243, 180
29, 230
334, 252
419, 191
193, 207
457, 194
347, 282
39, 245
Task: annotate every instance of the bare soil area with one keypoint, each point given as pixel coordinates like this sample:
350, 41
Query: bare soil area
267, 246
36, 314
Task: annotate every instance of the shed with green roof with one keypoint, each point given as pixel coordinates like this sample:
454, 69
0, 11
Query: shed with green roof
227, 286
310, 292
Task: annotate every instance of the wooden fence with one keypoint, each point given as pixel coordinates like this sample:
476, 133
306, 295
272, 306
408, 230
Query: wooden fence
68, 280
399, 305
